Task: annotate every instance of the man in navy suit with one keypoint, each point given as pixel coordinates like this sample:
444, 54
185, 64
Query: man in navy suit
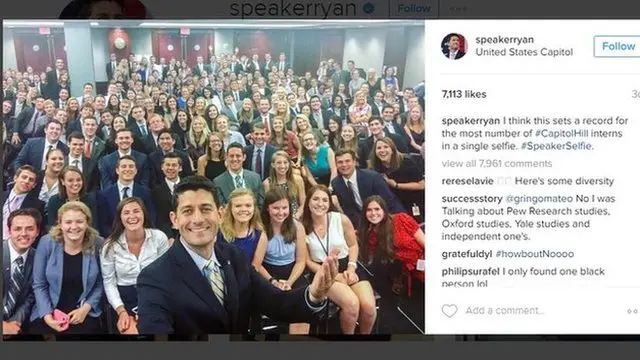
125, 187
319, 116
35, 150
17, 262
259, 154
25, 125
452, 48
21, 195
354, 186
166, 143
107, 165
76, 158
204, 286
377, 131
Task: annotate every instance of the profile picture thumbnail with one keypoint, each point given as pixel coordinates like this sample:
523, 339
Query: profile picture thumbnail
454, 46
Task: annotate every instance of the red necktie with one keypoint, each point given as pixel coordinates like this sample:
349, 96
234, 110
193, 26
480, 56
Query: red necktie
87, 149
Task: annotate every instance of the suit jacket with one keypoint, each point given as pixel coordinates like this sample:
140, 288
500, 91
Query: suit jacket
366, 146
156, 176
99, 149
52, 88
109, 198
369, 183
25, 299
163, 202
32, 153
22, 120
47, 278
90, 173
144, 74
196, 69
226, 110
30, 201
225, 184
315, 122
141, 143
458, 55
109, 70
8, 94
269, 150
56, 202
197, 310
107, 168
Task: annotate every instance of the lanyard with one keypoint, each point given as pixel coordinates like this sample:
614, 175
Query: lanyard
326, 249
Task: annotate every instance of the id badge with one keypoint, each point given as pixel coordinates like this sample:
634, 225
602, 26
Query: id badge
420, 265
416, 210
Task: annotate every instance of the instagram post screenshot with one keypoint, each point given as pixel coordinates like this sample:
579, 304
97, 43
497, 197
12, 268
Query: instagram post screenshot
171, 179
531, 197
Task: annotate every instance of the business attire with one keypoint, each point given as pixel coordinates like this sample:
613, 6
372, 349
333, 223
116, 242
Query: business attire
155, 166
259, 159
65, 282
362, 184
162, 195
89, 169
98, 148
56, 202
110, 197
365, 147
26, 123
120, 268
217, 295
226, 182
453, 55
17, 292
108, 163
35, 151
13, 201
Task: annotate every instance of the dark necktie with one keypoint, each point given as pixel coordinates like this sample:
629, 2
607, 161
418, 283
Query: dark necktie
259, 162
125, 192
237, 96
17, 277
353, 190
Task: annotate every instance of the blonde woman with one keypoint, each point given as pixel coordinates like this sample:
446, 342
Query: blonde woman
197, 138
242, 226
415, 129
200, 106
66, 276
360, 113
282, 176
245, 116
282, 110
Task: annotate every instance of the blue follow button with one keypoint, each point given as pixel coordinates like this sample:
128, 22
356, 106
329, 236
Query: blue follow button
616, 46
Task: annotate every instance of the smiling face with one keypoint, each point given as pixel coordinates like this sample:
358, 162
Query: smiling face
73, 224
196, 218
242, 208
319, 203
72, 183
374, 213
279, 211
132, 216
23, 232
55, 161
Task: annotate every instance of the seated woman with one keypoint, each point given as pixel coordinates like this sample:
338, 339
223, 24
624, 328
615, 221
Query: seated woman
72, 189
211, 164
390, 243
131, 247
241, 224
403, 173
326, 230
283, 177
318, 160
66, 276
48, 182
285, 254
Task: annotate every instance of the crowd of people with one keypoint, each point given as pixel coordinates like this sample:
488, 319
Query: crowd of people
299, 165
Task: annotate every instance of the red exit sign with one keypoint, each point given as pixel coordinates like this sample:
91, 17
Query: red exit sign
185, 31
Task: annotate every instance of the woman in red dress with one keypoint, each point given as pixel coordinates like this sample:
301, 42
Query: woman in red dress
390, 243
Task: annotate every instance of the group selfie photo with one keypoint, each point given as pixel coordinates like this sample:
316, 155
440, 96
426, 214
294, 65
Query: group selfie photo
189, 178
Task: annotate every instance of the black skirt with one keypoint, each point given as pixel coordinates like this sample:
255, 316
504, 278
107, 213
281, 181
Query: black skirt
343, 264
282, 272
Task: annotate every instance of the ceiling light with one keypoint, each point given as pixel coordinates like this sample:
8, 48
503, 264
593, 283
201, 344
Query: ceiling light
94, 24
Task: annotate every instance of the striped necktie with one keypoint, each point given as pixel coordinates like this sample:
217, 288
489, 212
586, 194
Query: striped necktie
17, 277
216, 280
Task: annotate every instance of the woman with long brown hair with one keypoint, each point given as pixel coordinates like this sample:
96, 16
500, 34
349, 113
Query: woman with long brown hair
327, 230
72, 188
390, 243
131, 246
282, 176
67, 281
285, 254
211, 164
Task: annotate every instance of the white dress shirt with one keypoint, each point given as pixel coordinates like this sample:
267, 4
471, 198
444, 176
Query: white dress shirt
233, 177
12, 203
172, 184
121, 186
46, 150
353, 179
121, 268
14, 255
47, 192
72, 161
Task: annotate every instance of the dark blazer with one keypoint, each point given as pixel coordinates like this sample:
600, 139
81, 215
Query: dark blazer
109, 70
99, 149
366, 146
143, 144
107, 168
197, 310
90, 173
26, 299
458, 55
369, 183
162, 200
109, 198
224, 185
325, 119
56, 202
156, 176
31, 201
22, 120
269, 150
47, 278
53, 88
32, 151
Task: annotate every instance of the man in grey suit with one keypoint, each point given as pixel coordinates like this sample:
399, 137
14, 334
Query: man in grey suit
17, 261
237, 177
